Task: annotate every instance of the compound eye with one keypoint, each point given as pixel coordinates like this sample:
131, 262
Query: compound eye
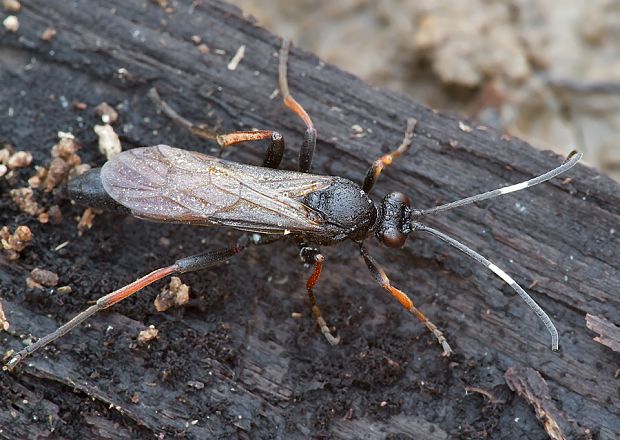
393, 238
399, 198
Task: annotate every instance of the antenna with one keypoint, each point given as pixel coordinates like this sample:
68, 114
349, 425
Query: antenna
500, 273
570, 162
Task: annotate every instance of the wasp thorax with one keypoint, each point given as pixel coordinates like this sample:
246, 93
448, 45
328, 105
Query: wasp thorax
394, 224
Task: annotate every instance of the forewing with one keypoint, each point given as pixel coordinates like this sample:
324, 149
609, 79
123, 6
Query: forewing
172, 185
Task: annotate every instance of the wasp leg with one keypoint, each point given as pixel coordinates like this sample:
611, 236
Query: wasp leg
309, 143
276, 140
386, 160
313, 255
276, 143
184, 265
382, 279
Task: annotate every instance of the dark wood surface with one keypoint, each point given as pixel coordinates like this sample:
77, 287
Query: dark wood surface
234, 362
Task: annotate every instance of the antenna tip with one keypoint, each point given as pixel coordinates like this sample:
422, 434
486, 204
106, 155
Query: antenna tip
576, 154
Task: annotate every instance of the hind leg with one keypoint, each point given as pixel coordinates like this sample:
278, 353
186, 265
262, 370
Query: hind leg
309, 143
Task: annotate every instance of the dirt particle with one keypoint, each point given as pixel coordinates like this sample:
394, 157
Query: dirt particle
86, 220
5, 153
55, 215
64, 290
196, 384
79, 105
14, 243
19, 159
109, 143
107, 113
4, 324
41, 277
37, 180
66, 149
147, 334
203, 49
48, 34
56, 174
65, 135
78, 170
32, 284
236, 59
11, 5
64, 161
135, 398
11, 23
357, 131
24, 198
464, 127
175, 294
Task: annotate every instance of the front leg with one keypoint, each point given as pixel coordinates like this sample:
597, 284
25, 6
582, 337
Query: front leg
386, 160
382, 279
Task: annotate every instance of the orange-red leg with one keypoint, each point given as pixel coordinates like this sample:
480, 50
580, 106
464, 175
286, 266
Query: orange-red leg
313, 255
386, 160
184, 265
382, 279
276, 141
309, 143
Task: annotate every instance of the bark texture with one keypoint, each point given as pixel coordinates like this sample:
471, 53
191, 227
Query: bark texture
235, 362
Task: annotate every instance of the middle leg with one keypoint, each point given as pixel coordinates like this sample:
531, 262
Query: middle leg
312, 255
276, 140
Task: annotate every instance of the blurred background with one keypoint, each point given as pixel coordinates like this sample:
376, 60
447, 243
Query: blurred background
547, 71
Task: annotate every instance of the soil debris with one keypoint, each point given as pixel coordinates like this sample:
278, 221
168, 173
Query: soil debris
14, 243
65, 161
236, 59
175, 294
42, 278
4, 324
107, 113
48, 34
109, 143
11, 5
86, 220
11, 23
147, 334
19, 159
24, 199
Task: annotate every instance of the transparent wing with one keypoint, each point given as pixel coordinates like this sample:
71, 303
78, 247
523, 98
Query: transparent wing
168, 184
